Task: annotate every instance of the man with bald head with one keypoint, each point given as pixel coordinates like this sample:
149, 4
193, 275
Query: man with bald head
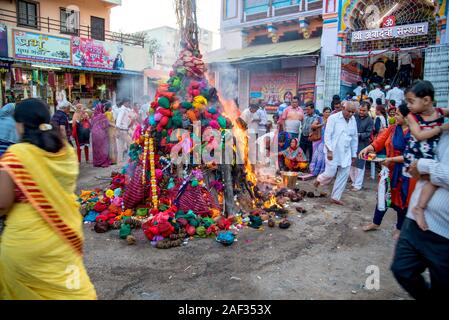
340, 146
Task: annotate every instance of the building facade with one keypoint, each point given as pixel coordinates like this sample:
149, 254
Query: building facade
270, 51
49, 47
388, 41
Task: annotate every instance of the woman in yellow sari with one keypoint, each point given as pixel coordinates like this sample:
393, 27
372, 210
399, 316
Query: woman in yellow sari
41, 249
111, 133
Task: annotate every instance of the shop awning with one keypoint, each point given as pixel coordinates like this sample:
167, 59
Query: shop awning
66, 66
282, 49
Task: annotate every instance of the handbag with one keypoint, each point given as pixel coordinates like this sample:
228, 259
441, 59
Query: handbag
315, 134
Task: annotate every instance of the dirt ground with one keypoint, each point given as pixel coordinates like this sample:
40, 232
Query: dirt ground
323, 255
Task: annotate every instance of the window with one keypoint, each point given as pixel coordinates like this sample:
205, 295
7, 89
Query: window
230, 9
70, 21
27, 14
256, 6
97, 26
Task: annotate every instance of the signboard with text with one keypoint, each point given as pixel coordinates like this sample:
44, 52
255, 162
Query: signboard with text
97, 54
41, 47
410, 30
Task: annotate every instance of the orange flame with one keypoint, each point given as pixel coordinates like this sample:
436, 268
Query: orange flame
272, 202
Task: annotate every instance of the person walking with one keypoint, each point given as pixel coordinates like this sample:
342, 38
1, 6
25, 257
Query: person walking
340, 143
418, 250
111, 133
394, 141
317, 164
8, 134
364, 129
81, 131
395, 94
60, 120
42, 244
305, 143
377, 93
123, 124
100, 138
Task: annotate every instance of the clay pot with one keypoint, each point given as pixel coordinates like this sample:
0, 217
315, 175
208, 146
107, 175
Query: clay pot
271, 223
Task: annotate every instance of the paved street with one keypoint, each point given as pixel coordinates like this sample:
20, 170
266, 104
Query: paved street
323, 255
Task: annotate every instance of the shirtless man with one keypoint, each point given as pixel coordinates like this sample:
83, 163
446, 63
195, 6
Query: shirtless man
292, 117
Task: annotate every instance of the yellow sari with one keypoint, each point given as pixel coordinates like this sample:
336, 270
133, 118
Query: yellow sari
41, 247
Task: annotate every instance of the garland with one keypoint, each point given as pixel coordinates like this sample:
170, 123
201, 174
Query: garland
145, 155
153, 174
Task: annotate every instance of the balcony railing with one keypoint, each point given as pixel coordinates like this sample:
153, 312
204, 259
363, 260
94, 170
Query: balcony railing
47, 24
281, 8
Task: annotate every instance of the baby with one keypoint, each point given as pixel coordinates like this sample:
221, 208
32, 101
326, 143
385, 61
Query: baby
426, 125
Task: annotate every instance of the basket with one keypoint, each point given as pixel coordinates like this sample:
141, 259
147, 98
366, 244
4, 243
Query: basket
289, 179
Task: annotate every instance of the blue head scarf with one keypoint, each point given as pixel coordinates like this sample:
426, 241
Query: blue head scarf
7, 124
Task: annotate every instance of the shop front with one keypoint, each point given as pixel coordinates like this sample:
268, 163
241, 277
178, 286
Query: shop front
269, 73
390, 42
54, 68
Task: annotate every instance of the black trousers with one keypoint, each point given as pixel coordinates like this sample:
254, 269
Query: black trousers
307, 147
417, 251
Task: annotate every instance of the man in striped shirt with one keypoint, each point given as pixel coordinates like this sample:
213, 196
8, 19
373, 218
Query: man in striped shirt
418, 250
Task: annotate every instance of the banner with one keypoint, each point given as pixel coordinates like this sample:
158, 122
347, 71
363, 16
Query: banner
409, 30
97, 54
5, 67
3, 40
351, 72
273, 87
306, 93
41, 47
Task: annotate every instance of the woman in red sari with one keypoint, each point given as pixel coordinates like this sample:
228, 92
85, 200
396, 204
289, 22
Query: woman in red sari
394, 140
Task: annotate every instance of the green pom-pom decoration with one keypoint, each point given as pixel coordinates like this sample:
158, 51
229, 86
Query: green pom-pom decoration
164, 102
195, 183
177, 119
186, 105
125, 230
222, 122
201, 232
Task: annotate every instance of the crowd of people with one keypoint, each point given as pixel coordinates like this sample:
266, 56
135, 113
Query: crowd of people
104, 127
38, 172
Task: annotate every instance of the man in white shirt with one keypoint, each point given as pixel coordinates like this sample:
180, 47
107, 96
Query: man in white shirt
263, 119
252, 120
115, 110
358, 90
340, 145
123, 123
377, 94
396, 94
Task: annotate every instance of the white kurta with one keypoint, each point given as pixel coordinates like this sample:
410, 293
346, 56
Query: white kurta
341, 138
